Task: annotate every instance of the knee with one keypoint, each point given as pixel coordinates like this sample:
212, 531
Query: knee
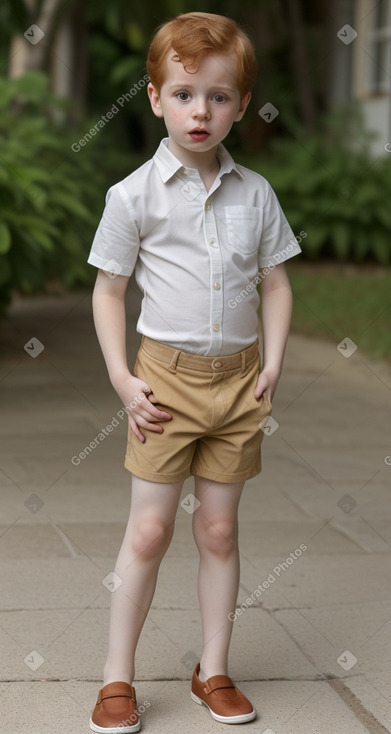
219, 537
151, 538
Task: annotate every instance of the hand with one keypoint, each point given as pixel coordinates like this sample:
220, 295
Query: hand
138, 400
266, 384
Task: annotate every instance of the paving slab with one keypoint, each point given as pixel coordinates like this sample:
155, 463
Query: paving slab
373, 691
51, 583
316, 581
326, 633
72, 643
283, 708
324, 483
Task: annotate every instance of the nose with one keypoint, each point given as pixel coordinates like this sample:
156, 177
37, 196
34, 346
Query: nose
200, 109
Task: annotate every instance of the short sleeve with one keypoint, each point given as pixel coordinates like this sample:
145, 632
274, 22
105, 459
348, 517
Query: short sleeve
278, 243
117, 242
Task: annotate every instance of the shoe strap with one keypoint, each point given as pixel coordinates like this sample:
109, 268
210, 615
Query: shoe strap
117, 690
217, 681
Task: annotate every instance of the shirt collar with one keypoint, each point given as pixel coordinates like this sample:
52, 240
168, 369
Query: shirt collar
167, 164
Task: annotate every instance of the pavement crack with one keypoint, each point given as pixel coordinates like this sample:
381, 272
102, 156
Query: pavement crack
372, 725
69, 546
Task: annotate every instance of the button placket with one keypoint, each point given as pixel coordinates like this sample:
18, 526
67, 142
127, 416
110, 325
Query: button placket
215, 278
191, 187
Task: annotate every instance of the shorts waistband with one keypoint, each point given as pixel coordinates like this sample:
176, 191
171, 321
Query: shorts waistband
179, 358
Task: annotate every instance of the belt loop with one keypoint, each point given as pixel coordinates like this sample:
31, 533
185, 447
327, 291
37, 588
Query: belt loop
243, 356
174, 361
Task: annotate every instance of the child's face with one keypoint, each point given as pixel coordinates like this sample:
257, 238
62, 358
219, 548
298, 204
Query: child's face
208, 101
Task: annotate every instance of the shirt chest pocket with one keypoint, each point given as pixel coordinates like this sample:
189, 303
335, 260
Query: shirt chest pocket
244, 227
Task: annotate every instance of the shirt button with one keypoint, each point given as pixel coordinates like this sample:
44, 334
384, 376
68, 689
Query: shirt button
217, 285
208, 206
213, 243
216, 327
186, 171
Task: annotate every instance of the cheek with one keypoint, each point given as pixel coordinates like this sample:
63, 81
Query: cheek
176, 115
227, 117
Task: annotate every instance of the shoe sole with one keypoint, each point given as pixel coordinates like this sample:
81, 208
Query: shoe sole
115, 729
240, 719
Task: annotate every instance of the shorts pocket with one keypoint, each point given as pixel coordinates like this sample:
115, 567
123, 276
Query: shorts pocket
244, 227
264, 412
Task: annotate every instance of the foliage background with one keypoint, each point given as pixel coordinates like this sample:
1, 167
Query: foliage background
53, 92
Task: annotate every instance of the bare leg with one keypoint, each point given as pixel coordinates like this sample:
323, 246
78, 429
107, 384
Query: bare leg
148, 535
215, 529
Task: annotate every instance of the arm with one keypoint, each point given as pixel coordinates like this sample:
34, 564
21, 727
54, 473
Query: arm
276, 318
108, 303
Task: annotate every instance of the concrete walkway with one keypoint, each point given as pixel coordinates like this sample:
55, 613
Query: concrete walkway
311, 646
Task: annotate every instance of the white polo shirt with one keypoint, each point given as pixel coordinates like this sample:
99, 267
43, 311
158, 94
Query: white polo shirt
196, 254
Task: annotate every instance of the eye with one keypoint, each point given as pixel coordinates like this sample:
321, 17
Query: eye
182, 96
219, 98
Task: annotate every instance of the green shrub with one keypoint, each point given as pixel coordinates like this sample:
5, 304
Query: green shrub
50, 197
330, 187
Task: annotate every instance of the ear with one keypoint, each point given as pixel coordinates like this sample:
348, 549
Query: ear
243, 106
154, 99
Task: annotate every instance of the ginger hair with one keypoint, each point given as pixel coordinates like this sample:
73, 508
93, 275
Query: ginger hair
193, 36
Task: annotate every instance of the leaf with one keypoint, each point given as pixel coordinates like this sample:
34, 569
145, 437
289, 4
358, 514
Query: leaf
367, 193
316, 239
69, 203
381, 246
124, 70
5, 238
384, 214
361, 243
5, 269
42, 238
135, 36
33, 85
3, 175
341, 239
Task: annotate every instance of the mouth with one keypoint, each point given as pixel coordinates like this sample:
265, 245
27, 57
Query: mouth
199, 134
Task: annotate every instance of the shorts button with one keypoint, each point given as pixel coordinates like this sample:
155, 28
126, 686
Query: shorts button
217, 363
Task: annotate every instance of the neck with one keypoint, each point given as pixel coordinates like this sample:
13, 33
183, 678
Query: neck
206, 163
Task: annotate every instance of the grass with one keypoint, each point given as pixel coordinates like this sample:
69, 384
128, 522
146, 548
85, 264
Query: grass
338, 300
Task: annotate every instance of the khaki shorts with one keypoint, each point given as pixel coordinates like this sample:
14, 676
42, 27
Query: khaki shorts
214, 431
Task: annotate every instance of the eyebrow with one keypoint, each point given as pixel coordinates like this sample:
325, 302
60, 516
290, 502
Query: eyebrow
190, 86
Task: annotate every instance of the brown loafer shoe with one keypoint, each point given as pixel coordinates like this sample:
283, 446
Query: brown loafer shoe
116, 710
224, 701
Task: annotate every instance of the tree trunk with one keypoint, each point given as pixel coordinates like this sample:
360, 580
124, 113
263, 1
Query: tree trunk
27, 53
301, 69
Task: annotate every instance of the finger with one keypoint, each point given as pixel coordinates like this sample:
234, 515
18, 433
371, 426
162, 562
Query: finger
152, 400
258, 392
134, 427
159, 415
144, 422
147, 411
146, 416
153, 427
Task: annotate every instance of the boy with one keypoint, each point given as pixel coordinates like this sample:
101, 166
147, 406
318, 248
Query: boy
197, 229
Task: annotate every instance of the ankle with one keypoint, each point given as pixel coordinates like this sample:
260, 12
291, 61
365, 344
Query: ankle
208, 672
114, 676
